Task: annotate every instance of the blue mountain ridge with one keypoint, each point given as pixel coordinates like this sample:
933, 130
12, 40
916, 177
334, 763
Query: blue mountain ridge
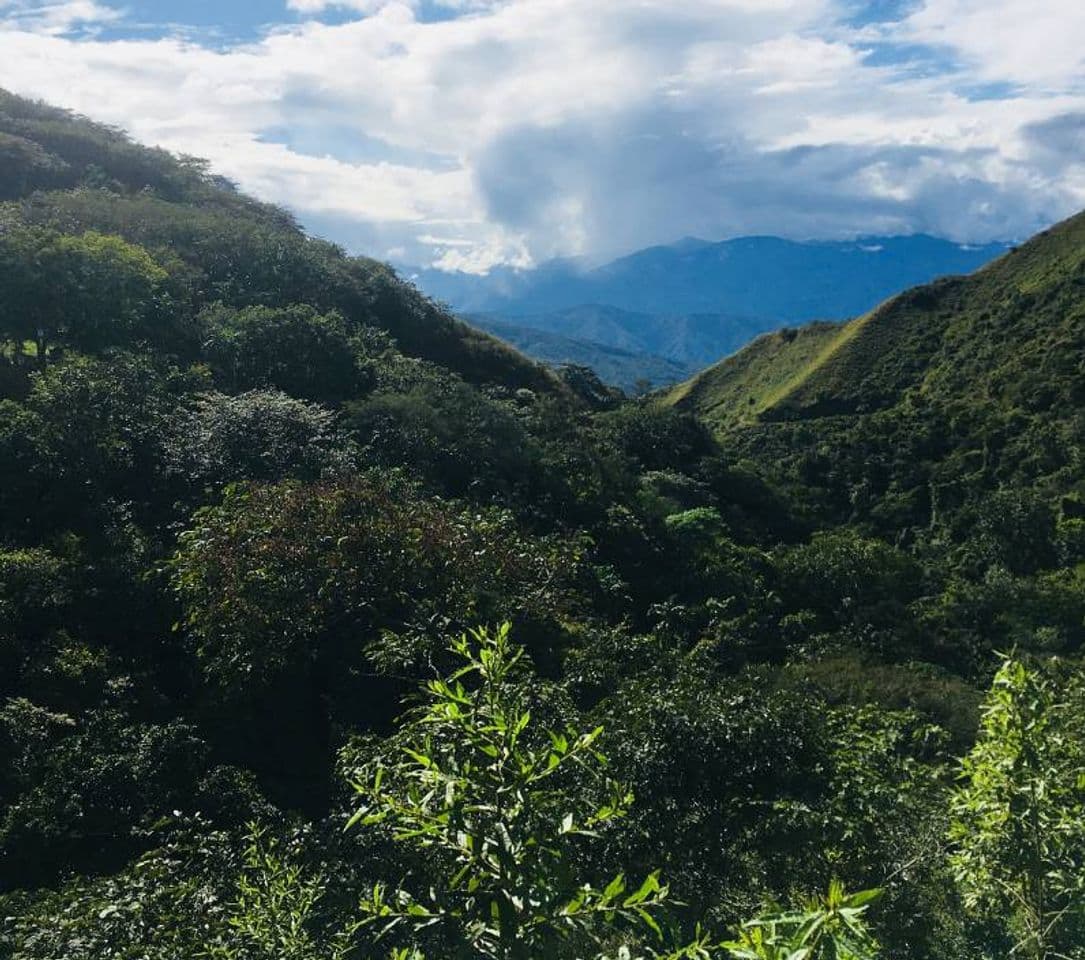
695, 301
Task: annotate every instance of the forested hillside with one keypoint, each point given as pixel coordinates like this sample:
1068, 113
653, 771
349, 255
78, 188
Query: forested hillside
939, 402
333, 628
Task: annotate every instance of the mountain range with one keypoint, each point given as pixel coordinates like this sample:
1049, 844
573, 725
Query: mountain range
694, 302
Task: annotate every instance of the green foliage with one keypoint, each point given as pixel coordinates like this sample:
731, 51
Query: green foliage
293, 349
216, 439
168, 903
727, 767
828, 928
86, 291
462, 441
925, 418
480, 793
1019, 813
84, 786
656, 438
275, 909
842, 575
304, 602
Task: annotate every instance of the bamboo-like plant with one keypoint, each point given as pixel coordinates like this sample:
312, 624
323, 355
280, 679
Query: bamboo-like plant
832, 927
477, 790
1019, 812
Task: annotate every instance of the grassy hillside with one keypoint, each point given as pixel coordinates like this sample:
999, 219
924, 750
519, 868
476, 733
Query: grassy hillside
1003, 325
934, 400
745, 384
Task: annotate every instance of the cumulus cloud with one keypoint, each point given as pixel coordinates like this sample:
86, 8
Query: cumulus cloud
1038, 44
476, 132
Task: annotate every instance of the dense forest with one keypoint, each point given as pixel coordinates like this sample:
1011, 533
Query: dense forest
331, 627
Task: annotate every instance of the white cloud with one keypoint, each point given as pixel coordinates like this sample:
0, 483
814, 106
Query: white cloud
1038, 43
533, 128
54, 18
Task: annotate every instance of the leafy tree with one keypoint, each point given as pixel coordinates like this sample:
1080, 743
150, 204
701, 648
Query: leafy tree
483, 797
1019, 812
86, 291
294, 349
93, 430
276, 908
305, 603
656, 437
27, 166
84, 787
171, 902
844, 577
215, 439
730, 767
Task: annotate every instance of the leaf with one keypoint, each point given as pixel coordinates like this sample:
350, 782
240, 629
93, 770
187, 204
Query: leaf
647, 888
649, 921
863, 897
615, 888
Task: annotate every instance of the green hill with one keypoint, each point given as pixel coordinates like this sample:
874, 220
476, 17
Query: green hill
985, 333
66, 173
743, 385
937, 398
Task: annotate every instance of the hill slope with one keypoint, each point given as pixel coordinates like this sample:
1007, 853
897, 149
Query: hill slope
70, 174
1020, 315
973, 375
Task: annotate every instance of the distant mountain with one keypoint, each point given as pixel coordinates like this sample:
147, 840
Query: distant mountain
691, 341
753, 280
632, 370
694, 302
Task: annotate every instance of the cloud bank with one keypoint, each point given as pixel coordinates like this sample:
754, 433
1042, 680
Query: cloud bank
469, 133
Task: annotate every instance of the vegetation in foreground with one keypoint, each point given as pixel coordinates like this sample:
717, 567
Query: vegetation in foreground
252, 490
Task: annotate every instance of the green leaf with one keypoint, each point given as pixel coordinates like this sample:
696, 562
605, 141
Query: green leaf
615, 888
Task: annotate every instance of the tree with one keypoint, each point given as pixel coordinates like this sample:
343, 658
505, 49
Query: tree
294, 349
307, 602
484, 798
216, 439
1019, 812
87, 291
275, 914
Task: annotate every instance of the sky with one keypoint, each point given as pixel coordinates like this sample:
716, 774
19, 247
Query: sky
467, 134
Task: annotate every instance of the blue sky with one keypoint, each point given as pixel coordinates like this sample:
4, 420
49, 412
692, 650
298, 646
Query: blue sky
470, 133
